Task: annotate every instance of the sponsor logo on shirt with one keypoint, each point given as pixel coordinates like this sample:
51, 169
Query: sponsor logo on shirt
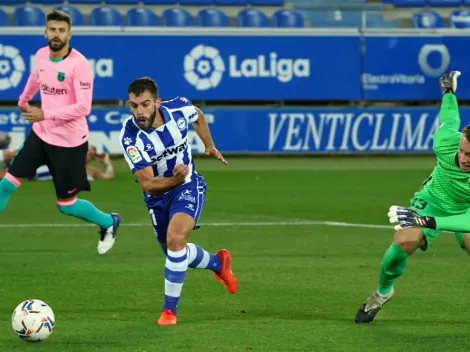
171, 151
85, 85
53, 90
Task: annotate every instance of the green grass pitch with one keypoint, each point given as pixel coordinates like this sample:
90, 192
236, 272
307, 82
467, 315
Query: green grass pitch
301, 275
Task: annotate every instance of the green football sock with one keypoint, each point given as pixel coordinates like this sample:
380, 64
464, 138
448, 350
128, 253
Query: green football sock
393, 265
85, 210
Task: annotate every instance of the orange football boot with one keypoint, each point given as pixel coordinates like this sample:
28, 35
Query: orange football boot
225, 275
168, 317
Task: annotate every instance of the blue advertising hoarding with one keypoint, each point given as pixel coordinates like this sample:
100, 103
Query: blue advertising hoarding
282, 130
255, 64
407, 67
203, 67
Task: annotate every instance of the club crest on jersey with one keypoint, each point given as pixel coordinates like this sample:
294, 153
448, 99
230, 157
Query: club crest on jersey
181, 123
133, 154
61, 76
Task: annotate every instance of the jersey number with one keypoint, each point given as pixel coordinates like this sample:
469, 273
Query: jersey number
152, 215
419, 204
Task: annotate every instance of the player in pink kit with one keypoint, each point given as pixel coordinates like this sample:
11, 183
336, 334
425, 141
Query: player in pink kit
59, 136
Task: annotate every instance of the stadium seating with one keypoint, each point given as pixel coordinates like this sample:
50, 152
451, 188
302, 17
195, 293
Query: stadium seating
427, 19
252, 18
243, 13
29, 16
105, 16
4, 19
75, 14
141, 17
177, 17
409, 3
460, 19
285, 18
445, 3
212, 18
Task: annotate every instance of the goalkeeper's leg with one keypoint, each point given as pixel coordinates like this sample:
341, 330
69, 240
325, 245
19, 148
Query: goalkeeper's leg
394, 262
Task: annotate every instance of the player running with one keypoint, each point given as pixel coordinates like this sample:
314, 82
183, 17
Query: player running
442, 203
59, 136
156, 147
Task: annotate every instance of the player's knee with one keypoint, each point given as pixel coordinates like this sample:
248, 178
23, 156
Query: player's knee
409, 240
463, 240
176, 240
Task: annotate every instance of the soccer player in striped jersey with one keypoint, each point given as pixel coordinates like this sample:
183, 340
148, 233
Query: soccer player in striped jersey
442, 203
156, 147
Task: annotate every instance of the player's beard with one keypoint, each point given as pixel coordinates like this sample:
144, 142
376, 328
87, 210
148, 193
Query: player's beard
149, 121
56, 44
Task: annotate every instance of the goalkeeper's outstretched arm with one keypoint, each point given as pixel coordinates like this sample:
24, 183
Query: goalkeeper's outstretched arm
449, 115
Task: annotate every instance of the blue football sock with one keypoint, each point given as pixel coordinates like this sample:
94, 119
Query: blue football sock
198, 258
175, 271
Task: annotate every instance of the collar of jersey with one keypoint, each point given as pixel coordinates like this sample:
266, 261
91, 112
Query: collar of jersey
61, 58
166, 118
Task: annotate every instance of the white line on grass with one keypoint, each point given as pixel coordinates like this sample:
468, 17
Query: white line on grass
220, 224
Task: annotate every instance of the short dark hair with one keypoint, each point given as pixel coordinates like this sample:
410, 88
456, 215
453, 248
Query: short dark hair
142, 84
466, 132
58, 15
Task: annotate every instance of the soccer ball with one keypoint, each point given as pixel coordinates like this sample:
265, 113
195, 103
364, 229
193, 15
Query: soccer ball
33, 320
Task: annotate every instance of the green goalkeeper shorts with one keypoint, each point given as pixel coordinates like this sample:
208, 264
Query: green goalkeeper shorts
426, 208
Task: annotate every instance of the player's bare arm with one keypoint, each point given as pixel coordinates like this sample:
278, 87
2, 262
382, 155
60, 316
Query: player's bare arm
158, 185
202, 129
107, 174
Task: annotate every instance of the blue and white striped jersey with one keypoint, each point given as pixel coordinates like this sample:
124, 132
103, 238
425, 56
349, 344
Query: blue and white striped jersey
165, 147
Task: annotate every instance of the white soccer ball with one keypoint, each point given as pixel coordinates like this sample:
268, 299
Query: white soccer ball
33, 320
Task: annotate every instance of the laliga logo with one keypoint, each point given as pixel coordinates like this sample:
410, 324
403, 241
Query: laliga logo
12, 66
203, 67
423, 59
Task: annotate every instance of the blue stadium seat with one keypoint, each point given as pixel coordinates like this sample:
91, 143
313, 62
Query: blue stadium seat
12, 2
266, 2
74, 13
212, 18
445, 3
177, 18
105, 16
427, 19
122, 2
46, 2
286, 18
4, 19
409, 3
252, 18
141, 17
159, 2
460, 19
334, 18
466, 2
231, 2
29, 16
92, 2
196, 2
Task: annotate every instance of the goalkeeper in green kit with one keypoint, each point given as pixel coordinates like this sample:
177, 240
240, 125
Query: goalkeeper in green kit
442, 203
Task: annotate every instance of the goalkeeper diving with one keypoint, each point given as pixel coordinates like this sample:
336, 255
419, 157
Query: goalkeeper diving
442, 203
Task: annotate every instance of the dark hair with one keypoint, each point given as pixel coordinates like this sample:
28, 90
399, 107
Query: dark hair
61, 16
140, 85
466, 132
